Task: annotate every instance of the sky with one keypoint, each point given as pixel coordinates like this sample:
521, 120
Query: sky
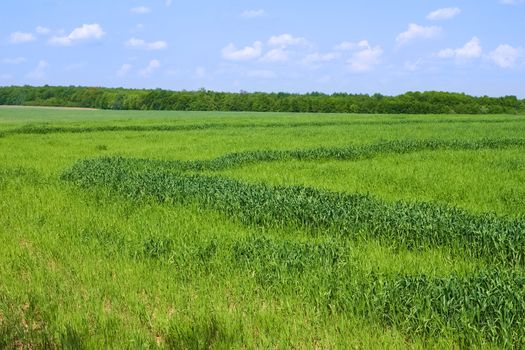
361, 46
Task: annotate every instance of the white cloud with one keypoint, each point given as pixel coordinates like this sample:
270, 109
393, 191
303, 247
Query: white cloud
261, 74
152, 67
253, 13
124, 70
42, 30
285, 40
506, 56
415, 31
345, 46
60, 41
20, 37
39, 72
366, 58
232, 53
141, 44
140, 10
470, 50
275, 55
85, 32
17, 60
443, 14
168, 3
316, 58
348, 45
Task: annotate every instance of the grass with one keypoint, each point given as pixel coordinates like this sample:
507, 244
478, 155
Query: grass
93, 269
480, 181
412, 225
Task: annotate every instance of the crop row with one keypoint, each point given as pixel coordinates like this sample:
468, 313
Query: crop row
485, 306
357, 152
404, 224
45, 129
488, 305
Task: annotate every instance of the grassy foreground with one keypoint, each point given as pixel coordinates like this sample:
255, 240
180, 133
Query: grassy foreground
254, 230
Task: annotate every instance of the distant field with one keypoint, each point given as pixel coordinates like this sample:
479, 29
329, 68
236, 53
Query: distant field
261, 230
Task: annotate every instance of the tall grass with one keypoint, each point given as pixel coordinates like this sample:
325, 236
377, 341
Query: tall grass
36, 129
405, 224
149, 255
486, 306
338, 153
351, 153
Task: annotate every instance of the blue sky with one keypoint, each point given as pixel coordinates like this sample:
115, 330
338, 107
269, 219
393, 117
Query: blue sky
390, 47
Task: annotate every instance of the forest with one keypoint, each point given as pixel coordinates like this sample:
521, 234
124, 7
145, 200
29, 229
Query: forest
431, 102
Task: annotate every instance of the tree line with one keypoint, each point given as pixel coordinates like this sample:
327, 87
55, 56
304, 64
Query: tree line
431, 102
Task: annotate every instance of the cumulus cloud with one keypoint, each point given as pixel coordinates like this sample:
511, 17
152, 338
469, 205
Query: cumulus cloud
42, 30
348, 45
17, 60
365, 57
85, 32
285, 40
443, 14
141, 10
39, 72
152, 67
232, 53
415, 31
471, 49
253, 13
141, 44
345, 46
276, 55
20, 37
124, 70
506, 56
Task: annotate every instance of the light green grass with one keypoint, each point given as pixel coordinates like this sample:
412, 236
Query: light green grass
77, 268
480, 181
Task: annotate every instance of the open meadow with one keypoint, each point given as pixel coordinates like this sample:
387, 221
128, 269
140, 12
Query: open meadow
186, 230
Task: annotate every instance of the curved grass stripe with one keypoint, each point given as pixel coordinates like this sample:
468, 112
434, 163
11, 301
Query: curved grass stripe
487, 305
32, 129
237, 159
411, 225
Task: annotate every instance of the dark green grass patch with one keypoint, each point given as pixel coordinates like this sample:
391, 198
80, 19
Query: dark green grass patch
486, 306
360, 152
405, 224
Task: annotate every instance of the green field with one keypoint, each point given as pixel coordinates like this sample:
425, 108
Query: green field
261, 230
